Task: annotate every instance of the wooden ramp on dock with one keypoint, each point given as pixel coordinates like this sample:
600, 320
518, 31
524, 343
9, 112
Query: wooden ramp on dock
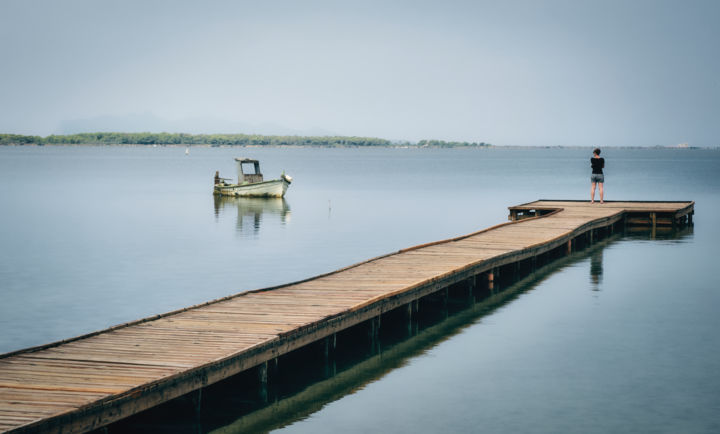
90, 381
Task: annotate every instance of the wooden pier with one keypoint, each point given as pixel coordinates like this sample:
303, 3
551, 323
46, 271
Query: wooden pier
88, 382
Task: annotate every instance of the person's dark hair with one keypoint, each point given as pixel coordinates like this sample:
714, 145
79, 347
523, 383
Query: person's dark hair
596, 151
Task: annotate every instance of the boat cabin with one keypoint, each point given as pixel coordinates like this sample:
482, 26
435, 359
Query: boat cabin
248, 171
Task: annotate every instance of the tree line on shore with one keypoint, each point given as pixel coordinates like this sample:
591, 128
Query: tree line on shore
216, 140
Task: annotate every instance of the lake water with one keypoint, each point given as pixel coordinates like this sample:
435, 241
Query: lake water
621, 339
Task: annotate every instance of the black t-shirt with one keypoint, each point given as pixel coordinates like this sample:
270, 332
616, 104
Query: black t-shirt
597, 165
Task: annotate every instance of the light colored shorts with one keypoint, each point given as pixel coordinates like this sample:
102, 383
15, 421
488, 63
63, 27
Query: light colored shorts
597, 177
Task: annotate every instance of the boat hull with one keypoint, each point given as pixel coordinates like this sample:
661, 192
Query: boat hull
273, 188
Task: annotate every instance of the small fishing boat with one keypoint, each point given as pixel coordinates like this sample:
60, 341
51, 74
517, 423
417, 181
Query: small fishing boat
250, 182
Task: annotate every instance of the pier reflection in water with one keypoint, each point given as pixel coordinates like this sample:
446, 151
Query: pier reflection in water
304, 381
596, 269
250, 210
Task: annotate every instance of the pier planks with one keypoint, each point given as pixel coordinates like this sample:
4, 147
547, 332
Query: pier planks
93, 380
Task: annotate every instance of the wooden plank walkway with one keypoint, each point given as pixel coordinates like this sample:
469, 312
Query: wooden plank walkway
90, 381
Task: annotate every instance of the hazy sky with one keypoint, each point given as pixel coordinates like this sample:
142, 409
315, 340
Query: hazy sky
573, 72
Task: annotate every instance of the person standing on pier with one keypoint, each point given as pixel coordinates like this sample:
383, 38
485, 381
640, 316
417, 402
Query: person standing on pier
597, 177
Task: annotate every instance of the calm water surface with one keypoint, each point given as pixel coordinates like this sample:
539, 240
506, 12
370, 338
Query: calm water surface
622, 340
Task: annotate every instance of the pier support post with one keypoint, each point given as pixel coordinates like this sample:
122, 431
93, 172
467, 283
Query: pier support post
445, 298
330, 347
198, 407
196, 399
416, 317
690, 217
411, 315
471, 286
263, 379
374, 335
653, 221
492, 276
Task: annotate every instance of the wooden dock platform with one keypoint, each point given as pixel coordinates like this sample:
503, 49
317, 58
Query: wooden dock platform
87, 382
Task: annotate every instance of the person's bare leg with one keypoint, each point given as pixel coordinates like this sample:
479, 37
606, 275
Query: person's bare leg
601, 192
592, 192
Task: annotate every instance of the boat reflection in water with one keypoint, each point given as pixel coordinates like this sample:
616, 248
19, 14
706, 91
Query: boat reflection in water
250, 210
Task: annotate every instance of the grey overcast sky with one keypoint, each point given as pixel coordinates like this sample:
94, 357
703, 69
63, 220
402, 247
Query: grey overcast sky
574, 72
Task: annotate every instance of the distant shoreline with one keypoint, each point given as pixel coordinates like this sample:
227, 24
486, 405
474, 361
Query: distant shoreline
489, 147
217, 140
260, 141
